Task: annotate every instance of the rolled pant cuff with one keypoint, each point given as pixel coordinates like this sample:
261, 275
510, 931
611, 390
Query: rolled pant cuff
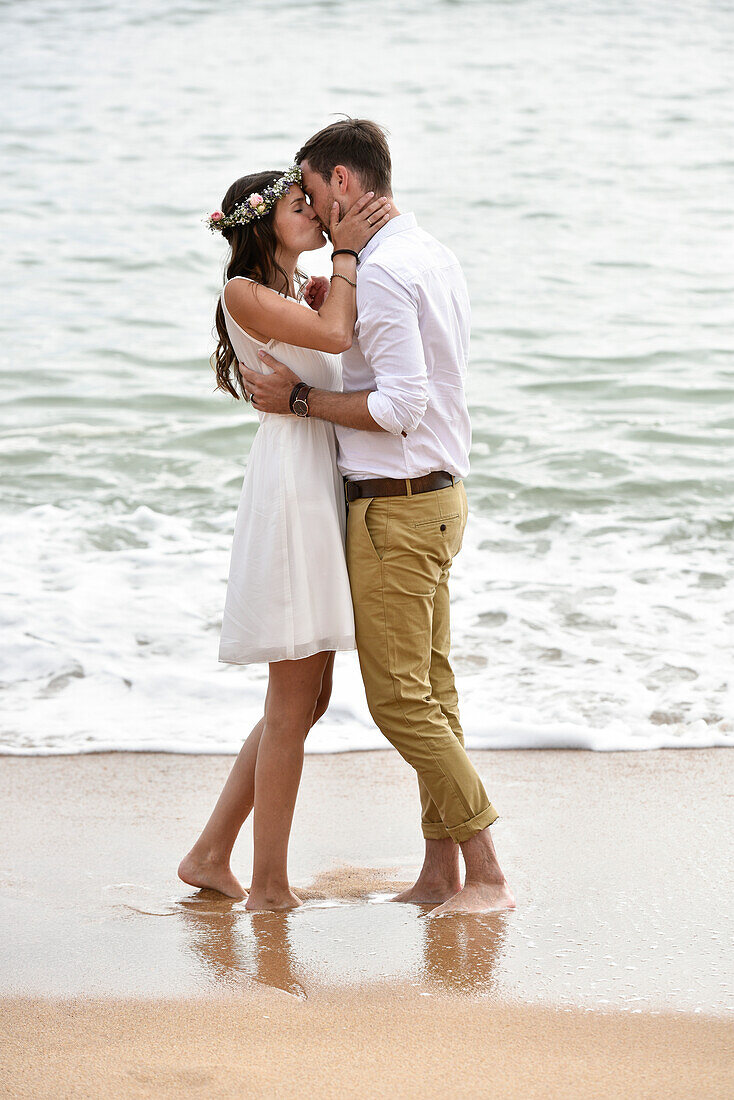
435, 830
470, 828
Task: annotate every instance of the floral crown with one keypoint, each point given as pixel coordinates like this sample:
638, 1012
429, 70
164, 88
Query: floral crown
257, 204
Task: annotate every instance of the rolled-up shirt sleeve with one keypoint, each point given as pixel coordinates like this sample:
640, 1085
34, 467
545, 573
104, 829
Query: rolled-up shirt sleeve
390, 340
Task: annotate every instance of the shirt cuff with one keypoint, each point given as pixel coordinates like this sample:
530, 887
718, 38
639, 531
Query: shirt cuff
382, 411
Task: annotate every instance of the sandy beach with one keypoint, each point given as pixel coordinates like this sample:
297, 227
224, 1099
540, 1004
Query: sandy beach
612, 977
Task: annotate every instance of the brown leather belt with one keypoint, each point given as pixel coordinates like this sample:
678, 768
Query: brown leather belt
398, 486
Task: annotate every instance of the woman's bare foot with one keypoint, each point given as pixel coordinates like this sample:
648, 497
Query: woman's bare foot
272, 899
480, 898
209, 874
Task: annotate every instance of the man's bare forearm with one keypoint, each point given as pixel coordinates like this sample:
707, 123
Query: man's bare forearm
271, 393
347, 409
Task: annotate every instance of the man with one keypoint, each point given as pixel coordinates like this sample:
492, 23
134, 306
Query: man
403, 431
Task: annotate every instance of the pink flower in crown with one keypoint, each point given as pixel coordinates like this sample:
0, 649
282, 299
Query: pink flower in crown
255, 201
217, 216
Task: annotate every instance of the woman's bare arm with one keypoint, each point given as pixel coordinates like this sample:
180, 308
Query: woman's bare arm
267, 315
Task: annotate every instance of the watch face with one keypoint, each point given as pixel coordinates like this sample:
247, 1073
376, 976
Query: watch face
300, 408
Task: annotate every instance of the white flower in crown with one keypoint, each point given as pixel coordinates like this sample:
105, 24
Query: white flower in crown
255, 205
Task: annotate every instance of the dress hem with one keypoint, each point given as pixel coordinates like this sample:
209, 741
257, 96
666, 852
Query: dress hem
295, 653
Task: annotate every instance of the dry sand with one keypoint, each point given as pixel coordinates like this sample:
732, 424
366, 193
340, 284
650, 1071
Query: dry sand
356, 1044
612, 977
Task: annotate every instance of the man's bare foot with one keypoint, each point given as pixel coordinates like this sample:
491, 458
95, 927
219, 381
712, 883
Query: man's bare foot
429, 892
480, 898
210, 875
272, 900
439, 878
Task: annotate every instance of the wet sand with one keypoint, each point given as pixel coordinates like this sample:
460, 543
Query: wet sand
612, 977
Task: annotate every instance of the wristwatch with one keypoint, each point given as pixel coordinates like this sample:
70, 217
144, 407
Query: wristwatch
299, 399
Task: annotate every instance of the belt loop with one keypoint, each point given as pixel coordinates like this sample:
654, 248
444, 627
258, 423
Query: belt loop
453, 479
409, 487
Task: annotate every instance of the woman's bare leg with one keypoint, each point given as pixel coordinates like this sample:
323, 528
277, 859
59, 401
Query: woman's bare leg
293, 691
207, 864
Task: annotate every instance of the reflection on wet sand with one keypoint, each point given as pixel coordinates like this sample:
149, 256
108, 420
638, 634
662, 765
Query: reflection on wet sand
219, 928
287, 951
276, 963
211, 921
461, 952
218, 937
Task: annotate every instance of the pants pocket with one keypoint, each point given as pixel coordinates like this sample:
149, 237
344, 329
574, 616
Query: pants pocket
437, 521
375, 519
441, 537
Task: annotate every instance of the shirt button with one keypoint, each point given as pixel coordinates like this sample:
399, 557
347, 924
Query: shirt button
443, 526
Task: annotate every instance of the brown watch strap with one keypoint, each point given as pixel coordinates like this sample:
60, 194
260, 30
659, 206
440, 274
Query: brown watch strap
301, 394
294, 394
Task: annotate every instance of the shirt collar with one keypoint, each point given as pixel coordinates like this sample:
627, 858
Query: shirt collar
395, 225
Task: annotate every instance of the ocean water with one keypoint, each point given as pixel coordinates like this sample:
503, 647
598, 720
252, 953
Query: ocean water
578, 159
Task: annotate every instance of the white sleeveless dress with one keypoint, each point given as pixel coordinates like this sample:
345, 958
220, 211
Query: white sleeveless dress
288, 592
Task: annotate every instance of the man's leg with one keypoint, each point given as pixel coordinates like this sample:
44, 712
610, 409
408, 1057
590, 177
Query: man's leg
440, 876
485, 886
397, 549
443, 690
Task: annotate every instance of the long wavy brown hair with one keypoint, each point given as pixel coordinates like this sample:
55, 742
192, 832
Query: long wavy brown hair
252, 253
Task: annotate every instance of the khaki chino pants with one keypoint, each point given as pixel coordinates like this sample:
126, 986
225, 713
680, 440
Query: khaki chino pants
399, 553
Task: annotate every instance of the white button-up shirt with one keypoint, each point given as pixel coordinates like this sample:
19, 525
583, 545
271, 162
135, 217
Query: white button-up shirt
410, 349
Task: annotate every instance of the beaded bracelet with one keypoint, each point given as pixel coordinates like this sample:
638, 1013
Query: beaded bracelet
336, 275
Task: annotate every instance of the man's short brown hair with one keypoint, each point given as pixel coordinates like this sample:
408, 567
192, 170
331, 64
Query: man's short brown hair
357, 143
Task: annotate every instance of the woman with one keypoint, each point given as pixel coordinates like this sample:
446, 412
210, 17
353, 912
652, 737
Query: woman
288, 601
